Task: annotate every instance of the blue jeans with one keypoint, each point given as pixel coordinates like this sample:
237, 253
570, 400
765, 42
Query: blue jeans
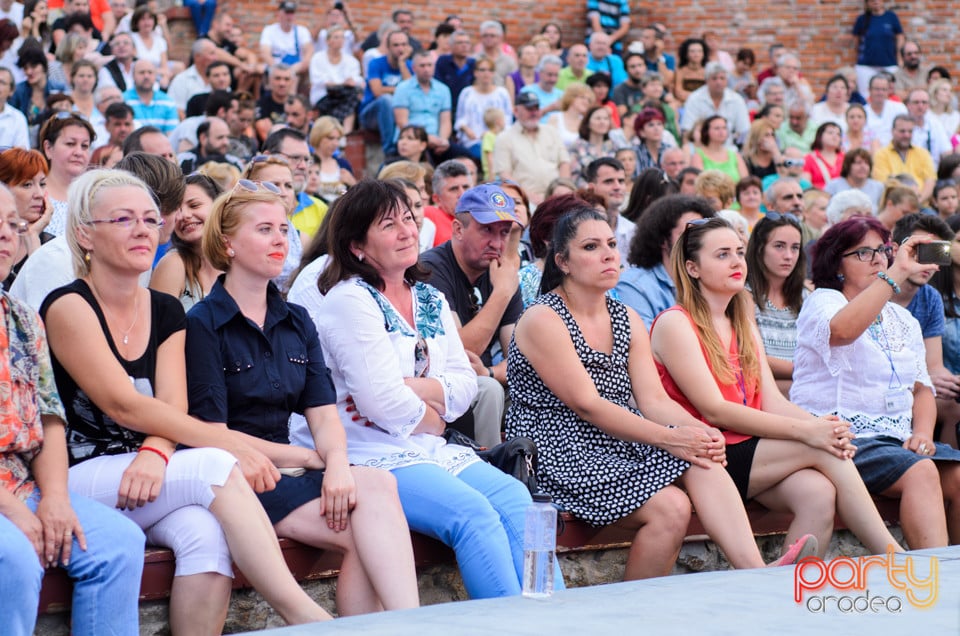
106, 577
378, 115
202, 15
479, 513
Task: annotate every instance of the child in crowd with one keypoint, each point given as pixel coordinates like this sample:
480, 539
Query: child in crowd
495, 121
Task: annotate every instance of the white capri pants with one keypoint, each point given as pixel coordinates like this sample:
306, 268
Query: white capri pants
179, 518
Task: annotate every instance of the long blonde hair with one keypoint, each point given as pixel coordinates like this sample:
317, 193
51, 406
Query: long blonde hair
738, 311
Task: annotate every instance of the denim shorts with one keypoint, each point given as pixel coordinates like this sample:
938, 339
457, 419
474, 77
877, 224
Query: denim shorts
883, 460
290, 494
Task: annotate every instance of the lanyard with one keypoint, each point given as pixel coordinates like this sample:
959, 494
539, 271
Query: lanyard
875, 329
743, 386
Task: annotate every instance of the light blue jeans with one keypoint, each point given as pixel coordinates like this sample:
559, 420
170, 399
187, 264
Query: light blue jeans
480, 513
106, 577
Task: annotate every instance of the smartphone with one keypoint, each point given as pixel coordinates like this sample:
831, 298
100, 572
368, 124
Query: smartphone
934, 253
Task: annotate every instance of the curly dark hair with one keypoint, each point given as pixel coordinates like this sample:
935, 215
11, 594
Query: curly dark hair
656, 225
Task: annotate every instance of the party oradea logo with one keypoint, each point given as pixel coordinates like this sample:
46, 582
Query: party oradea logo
842, 585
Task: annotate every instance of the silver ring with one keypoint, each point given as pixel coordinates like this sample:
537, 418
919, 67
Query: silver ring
922, 448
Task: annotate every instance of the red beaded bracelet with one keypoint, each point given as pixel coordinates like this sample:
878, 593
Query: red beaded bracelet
166, 460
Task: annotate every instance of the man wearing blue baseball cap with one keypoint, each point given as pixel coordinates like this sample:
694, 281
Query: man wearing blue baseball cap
483, 290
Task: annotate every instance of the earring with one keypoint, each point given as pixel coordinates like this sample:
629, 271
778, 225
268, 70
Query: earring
231, 253
360, 257
840, 277
86, 257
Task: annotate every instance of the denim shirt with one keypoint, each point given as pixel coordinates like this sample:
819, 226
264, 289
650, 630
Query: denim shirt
647, 291
251, 379
951, 341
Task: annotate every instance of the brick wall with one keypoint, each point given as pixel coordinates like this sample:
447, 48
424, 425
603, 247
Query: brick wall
815, 28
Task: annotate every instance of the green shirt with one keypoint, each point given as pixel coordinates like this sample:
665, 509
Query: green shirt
566, 77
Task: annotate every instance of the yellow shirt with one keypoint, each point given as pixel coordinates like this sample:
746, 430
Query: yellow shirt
309, 214
887, 163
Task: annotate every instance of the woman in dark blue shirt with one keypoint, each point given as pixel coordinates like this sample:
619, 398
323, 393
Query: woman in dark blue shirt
879, 37
252, 360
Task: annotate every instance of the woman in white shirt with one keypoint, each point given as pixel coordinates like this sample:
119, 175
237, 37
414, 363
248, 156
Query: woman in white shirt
860, 358
149, 45
401, 374
335, 80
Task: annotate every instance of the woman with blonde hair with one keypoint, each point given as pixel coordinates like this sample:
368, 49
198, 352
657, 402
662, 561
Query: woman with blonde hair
710, 358
276, 170
574, 104
336, 173
760, 151
319, 500
943, 106
118, 359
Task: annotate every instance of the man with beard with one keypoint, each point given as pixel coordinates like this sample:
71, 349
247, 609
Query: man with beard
913, 73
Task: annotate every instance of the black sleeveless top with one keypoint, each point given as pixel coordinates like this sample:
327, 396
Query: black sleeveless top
90, 431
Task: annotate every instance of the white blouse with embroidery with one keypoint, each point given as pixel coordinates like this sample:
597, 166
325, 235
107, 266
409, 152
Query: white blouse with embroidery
869, 382
370, 348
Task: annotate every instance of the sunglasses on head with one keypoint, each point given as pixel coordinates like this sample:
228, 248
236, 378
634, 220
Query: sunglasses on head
254, 186
776, 216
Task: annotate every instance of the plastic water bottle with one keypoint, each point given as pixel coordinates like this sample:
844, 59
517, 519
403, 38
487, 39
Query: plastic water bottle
539, 547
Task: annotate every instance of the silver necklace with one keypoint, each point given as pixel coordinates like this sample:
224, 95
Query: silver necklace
136, 313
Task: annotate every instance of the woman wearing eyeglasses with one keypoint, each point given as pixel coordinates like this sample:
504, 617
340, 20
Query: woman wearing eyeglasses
710, 359
775, 271
118, 360
860, 357
184, 272
253, 361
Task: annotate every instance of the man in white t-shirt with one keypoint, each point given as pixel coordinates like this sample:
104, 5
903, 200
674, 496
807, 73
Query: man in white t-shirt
286, 41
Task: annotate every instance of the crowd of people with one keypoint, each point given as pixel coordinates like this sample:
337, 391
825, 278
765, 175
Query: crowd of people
691, 282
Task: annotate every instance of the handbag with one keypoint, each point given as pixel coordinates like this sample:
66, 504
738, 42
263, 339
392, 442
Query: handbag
516, 457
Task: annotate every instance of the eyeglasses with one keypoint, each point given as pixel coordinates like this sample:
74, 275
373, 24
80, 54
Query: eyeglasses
946, 183
19, 226
128, 221
296, 159
867, 254
697, 222
776, 216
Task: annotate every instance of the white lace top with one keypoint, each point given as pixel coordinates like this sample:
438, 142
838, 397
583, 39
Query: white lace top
369, 349
854, 381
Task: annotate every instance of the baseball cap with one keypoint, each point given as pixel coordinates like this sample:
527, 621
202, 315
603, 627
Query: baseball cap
288, 6
487, 204
528, 100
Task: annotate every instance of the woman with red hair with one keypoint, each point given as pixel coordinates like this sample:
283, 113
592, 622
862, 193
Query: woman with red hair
24, 172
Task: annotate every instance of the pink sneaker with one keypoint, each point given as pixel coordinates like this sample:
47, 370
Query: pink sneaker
803, 547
